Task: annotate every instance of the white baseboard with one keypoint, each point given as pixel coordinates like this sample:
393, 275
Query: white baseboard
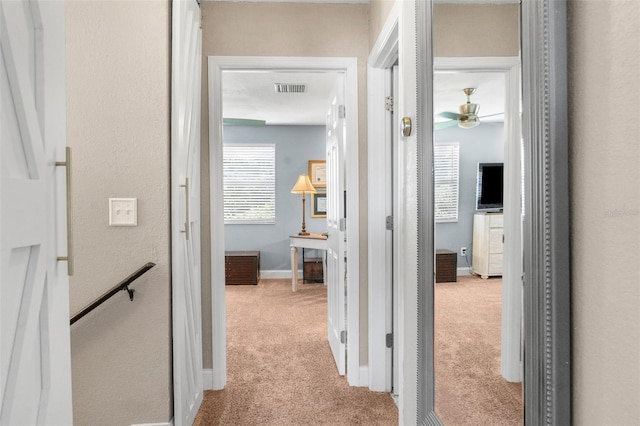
207, 378
154, 424
363, 381
278, 274
464, 270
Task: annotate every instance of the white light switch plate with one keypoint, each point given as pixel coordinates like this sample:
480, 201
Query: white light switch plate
123, 212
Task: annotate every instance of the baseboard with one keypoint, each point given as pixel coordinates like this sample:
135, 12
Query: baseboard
278, 274
464, 270
154, 424
207, 378
363, 381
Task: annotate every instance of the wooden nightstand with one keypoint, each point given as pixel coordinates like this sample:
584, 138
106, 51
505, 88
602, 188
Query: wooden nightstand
446, 266
241, 267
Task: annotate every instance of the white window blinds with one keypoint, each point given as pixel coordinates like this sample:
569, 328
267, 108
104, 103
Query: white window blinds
249, 183
446, 176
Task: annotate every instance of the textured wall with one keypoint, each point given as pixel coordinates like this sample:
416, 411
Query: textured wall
476, 30
285, 29
118, 128
378, 12
604, 62
295, 146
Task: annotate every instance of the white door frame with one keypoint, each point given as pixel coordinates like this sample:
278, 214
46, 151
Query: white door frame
511, 329
382, 57
216, 65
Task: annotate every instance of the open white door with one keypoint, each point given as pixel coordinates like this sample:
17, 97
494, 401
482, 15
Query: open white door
185, 210
336, 267
35, 360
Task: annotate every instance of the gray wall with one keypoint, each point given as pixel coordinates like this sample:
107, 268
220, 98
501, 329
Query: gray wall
295, 146
482, 144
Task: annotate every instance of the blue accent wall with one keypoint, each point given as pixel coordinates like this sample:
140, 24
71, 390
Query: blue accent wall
482, 144
295, 146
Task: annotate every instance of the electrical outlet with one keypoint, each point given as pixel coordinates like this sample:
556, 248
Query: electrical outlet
463, 251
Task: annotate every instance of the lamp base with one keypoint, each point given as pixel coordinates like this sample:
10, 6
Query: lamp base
303, 233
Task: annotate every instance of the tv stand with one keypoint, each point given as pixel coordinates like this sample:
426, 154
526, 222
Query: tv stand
488, 241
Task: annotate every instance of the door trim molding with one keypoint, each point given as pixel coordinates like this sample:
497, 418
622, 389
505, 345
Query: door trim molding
382, 57
216, 65
509, 66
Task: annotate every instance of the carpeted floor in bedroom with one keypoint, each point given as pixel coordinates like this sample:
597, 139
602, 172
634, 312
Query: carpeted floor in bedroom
281, 371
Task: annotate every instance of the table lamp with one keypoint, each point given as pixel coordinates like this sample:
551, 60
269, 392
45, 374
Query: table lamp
303, 186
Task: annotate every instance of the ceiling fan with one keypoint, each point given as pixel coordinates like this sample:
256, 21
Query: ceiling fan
468, 116
243, 122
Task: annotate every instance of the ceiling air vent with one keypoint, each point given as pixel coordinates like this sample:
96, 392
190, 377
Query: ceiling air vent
290, 88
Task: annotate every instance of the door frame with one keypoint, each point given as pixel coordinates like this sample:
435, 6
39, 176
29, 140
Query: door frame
216, 66
382, 57
380, 129
511, 326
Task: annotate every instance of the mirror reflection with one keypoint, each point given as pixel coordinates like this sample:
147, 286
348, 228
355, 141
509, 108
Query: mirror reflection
478, 214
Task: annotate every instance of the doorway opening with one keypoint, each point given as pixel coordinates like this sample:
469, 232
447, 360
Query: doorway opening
477, 339
217, 67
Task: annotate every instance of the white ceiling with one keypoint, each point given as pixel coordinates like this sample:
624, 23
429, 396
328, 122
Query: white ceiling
251, 95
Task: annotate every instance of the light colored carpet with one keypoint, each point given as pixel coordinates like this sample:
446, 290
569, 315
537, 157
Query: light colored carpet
469, 387
280, 367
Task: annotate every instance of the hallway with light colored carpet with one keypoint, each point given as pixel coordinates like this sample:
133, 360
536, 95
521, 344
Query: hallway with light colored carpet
280, 367
469, 387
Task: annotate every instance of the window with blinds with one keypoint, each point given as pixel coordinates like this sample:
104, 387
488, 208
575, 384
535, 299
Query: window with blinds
446, 177
249, 184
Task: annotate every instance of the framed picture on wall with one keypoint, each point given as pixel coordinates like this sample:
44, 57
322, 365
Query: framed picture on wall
319, 204
318, 173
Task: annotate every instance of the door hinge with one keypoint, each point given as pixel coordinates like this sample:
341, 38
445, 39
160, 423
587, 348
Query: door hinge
389, 340
389, 223
388, 103
342, 113
343, 337
343, 224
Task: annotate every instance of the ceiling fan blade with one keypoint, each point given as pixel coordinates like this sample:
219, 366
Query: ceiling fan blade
445, 124
491, 115
450, 115
242, 122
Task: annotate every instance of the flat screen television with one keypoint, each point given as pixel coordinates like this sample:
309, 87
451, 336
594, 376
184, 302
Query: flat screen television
490, 184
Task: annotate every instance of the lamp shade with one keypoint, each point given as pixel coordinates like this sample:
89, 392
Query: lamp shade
303, 186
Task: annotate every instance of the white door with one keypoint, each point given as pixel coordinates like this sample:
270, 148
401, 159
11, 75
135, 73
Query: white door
35, 360
336, 267
185, 210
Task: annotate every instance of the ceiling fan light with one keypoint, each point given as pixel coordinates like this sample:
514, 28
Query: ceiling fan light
468, 122
469, 109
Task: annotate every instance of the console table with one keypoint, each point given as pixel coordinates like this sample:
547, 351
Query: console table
311, 241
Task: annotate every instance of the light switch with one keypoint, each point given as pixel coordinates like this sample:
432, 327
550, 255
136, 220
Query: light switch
123, 212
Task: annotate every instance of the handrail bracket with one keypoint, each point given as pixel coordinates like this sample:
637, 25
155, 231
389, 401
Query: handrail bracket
130, 291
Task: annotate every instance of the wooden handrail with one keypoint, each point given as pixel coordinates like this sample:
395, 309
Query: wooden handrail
122, 285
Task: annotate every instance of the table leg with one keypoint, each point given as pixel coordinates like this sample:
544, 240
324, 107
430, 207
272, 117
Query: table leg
294, 267
324, 267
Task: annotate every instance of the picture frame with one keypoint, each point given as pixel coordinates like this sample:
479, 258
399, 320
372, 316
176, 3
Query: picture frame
318, 173
319, 205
